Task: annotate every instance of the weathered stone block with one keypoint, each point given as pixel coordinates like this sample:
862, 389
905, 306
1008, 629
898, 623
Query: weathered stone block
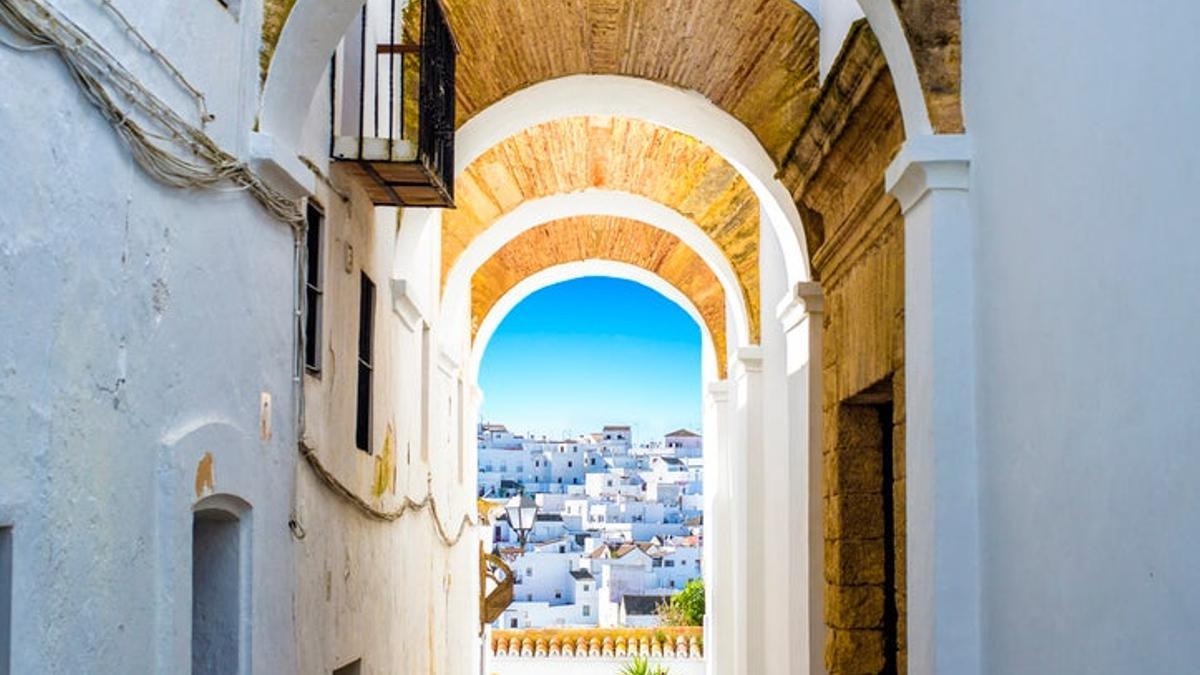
854, 606
853, 470
854, 562
854, 516
858, 427
854, 652
899, 520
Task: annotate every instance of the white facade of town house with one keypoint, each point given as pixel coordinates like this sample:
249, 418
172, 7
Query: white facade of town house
619, 518
142, 326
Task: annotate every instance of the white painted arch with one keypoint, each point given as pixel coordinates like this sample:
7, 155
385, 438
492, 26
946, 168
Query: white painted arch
885, 23
456, 299
578, 270
682, 110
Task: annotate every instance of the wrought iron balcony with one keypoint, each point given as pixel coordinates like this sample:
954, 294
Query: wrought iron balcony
394, 129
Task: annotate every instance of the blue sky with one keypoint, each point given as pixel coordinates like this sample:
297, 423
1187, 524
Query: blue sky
580, 354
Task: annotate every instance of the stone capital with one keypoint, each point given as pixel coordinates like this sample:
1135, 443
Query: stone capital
804, 300
749, 359
404, 304
719, 391
929, 164
447, 364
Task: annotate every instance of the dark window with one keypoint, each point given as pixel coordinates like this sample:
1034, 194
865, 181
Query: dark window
512, 623
352, 668
315, 220
366, 330
216, 593
6, 579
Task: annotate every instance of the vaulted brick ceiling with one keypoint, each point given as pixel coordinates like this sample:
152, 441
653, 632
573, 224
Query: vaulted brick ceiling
615, 154
757, 59
604, 238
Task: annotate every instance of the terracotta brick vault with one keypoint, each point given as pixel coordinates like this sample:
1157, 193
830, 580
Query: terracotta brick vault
616, 154
603, 238
756, 59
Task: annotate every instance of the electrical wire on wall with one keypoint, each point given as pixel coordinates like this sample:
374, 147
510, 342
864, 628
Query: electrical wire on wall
178, 154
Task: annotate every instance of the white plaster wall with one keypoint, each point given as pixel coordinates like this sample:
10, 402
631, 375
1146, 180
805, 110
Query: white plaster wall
141, 324
1083, 117
388, 593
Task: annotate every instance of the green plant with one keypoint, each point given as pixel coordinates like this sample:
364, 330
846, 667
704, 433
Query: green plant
641, 666
685, 608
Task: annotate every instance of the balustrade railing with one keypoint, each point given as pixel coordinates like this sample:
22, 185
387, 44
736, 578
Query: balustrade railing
395, 125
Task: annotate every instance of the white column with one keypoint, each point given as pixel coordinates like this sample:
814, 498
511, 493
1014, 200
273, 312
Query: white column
746, 490
930, 179
802, 315
717, 563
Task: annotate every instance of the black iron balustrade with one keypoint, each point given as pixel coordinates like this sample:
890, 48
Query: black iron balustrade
405, 156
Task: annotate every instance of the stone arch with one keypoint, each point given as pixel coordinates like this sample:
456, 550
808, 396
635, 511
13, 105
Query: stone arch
661, 105
616, 154
534, 213
577, 270
921, 40
605, 238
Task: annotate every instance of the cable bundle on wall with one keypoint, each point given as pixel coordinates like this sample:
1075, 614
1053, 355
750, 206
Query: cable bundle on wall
180, 155
429, 501
165, 145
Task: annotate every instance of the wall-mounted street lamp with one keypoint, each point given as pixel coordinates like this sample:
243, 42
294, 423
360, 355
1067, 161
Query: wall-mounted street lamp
522, 513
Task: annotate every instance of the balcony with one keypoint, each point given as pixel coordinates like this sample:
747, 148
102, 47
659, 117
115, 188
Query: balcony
394, 106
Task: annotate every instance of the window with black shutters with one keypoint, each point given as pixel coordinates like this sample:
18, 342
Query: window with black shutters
313, 293
366, 330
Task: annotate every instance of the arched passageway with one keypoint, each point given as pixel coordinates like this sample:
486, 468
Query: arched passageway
693, 142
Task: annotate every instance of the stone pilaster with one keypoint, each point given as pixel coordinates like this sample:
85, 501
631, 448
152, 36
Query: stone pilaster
802, 315
930, 180
718, 526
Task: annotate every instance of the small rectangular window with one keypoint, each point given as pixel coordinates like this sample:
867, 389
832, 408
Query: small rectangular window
366, 330
313, 285
587, 610
352, 668
6, 581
